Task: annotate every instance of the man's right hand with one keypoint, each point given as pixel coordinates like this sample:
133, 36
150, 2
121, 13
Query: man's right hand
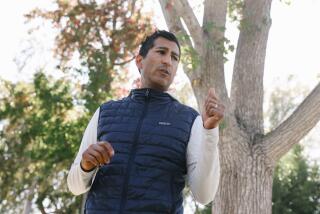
96, 155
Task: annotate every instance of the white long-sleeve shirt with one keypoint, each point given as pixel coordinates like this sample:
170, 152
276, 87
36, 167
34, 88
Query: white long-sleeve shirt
203, 168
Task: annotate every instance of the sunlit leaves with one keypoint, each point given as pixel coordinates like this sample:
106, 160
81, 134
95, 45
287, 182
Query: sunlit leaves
38, 141
43, 121
105, 36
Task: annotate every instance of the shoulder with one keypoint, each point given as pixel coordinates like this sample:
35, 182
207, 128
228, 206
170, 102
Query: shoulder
184, 108
113, 104
184, 112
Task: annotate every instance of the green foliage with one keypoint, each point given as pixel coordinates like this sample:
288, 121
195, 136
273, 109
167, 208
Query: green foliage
287, 2
105, 35
38, 143
205, 210
222, 45
296, 185
190, 57
235, 9
41, 123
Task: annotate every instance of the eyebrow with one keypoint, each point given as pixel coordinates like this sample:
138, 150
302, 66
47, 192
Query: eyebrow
165, 48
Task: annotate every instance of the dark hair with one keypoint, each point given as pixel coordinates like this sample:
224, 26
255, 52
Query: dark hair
148, 43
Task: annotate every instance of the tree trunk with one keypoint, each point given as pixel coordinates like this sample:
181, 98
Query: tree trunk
245, 189
28, 203
246, 176
247, 155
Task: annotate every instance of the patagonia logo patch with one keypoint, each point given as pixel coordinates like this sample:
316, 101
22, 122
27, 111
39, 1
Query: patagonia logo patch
164, 123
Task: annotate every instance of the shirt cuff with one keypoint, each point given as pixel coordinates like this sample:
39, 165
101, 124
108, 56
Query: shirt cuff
86, 175
211, 135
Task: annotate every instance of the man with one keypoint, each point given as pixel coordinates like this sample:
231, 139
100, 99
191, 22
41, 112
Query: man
136, 152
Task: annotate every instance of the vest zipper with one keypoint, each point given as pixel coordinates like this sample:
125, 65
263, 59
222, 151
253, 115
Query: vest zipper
132, 155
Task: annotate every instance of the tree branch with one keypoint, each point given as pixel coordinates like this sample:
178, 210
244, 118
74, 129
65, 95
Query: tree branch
185, 11
174, 24
279, 141
124, 62
214, 18
173, 21
247, 80
214, 21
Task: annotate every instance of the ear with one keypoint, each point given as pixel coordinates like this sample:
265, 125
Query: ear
139, 62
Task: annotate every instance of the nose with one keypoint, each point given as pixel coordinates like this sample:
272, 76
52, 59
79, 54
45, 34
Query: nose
166, 59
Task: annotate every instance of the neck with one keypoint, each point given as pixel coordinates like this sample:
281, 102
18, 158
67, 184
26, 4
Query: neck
156, 88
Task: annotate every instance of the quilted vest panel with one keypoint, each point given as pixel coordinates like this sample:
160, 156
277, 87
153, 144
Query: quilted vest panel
149, 131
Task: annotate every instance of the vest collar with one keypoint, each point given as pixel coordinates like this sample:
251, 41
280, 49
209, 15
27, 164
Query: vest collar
151, 94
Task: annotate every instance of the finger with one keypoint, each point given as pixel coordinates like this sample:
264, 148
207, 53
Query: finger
98, 154
104, 152
212, 99
217, 114
91, 159
107, 147
212, 105
215, 103
212, 93
213, 110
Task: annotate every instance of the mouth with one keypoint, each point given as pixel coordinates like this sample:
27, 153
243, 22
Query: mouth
165, 71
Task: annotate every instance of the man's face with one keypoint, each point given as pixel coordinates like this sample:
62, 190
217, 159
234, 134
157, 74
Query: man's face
159, 67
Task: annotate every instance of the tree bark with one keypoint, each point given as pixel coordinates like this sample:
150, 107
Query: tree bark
247, 156
247, 80
28, 202
175, 25
245, 185
185, 11
212, 66
27, 206
279, 141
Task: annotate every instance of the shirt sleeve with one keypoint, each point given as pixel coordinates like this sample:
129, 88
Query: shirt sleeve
203, 162
78, 180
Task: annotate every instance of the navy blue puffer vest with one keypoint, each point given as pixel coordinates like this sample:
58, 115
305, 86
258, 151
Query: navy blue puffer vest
149, 131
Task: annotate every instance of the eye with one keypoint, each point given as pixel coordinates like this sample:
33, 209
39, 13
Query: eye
162, 52
174, 57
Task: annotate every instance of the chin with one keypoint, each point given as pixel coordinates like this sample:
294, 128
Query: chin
160, 85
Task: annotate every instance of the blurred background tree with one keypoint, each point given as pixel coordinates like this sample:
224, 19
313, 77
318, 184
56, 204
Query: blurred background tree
43, 121
103, 37
296, 185
39, 138
296, 180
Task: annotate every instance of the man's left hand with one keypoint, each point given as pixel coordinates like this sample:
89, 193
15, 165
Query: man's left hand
213, 110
